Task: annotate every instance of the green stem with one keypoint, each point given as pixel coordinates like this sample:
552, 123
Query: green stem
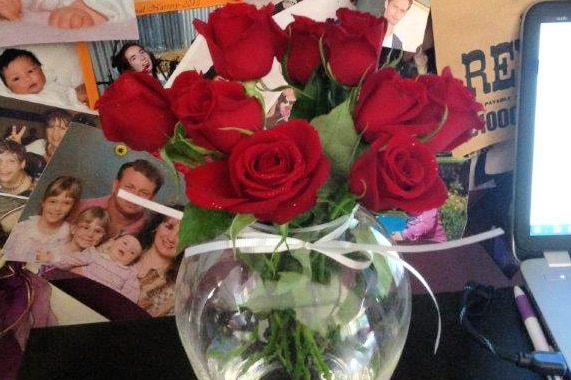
319, 270
298, 371
316, 353
290, 342
283, 325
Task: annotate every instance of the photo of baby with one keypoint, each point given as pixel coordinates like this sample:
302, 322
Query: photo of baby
37, 21
109, 264
43, 74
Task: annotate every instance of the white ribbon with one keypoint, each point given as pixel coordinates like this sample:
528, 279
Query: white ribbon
8, 195
162, 209
256, 242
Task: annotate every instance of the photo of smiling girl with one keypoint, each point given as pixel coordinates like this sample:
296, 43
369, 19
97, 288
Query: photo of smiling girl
89, 229
47, 229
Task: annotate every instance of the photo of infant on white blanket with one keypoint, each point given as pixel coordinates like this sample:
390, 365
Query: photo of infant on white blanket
35, 21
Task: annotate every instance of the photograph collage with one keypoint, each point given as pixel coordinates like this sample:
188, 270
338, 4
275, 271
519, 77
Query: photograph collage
91, 255
68, 243
70, 78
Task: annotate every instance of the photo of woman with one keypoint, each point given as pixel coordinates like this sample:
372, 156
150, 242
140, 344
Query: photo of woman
158, 266
134, 57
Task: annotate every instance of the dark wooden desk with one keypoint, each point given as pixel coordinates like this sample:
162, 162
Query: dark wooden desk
150, 349
459, 356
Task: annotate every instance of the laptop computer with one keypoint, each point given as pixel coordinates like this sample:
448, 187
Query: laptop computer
542, 182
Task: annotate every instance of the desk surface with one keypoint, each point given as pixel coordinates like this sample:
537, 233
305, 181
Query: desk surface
150, 349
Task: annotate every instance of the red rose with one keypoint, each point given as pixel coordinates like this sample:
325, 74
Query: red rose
135, 110
215, 114
397, 172
303, 55
274, 174
242, 40
354, 45
389, 104
449, 98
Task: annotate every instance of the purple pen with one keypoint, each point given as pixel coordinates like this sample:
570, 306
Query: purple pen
530, 321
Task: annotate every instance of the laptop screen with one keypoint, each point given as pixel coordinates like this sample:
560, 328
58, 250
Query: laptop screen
542, 183
550, 212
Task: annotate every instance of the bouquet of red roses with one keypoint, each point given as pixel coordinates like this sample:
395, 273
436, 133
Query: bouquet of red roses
358, 132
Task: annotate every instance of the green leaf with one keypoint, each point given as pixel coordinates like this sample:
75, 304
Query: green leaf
348, 309
258, 298
293, 282
255, 262
313, 98
381, 264
385, 276
239, 222
302, 256
296, 291
311, 313
171, 167
199, 225
179, 148
338, 138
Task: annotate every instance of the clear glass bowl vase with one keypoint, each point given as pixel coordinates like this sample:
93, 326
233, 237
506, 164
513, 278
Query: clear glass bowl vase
295, 313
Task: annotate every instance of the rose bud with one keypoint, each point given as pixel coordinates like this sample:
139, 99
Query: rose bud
242, 40
354, 45
391, 104
135, 110
303, 54
452, 103
397, 172
215, 114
